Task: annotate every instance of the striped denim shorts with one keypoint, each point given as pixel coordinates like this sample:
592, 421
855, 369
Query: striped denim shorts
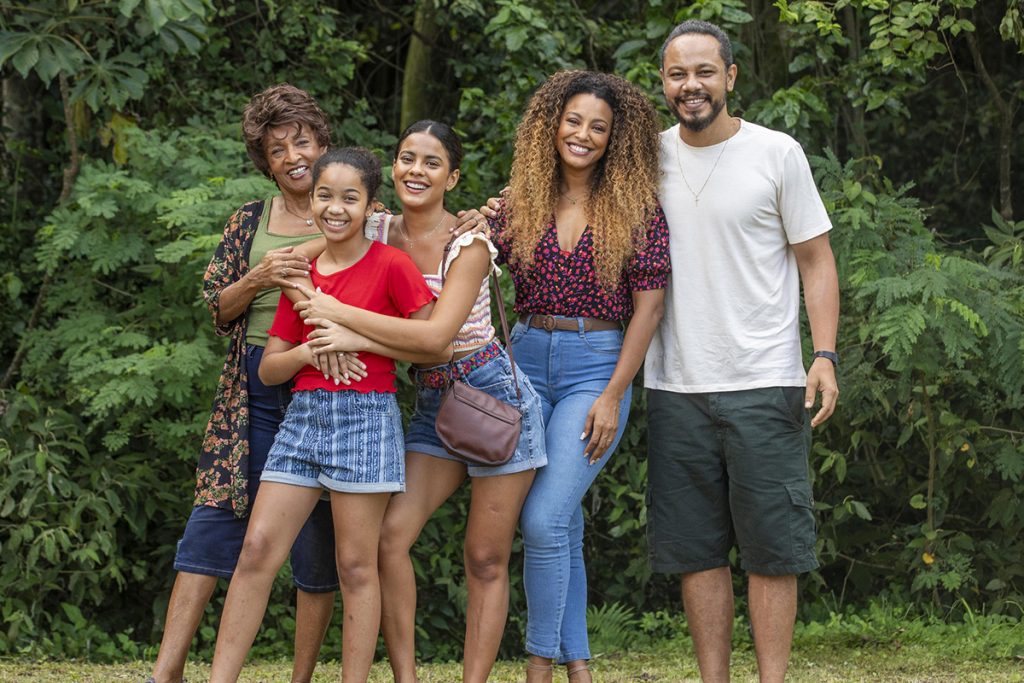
346, 441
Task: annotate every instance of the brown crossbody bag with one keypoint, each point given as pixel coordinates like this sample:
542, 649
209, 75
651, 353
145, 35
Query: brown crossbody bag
472, 424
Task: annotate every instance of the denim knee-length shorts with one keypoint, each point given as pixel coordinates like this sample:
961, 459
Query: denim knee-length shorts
346, 441
213, 537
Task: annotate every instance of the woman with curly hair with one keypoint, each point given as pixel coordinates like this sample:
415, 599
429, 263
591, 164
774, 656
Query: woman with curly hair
587, 247
285, 132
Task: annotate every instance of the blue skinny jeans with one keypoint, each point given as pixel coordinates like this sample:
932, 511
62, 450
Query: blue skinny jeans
569, 370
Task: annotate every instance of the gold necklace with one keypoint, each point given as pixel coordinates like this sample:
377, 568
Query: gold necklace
679, 162
309, 220
572, 200
411, 241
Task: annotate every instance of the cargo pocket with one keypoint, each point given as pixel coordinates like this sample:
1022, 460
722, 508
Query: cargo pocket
801, 518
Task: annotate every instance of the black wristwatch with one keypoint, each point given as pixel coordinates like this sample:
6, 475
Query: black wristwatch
831, 355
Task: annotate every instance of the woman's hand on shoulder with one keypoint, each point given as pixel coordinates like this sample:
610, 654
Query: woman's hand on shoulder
473, 220
276, 266
470, 220
493, 206
316, 304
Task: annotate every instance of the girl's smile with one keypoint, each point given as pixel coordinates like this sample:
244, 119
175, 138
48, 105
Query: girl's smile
340, 203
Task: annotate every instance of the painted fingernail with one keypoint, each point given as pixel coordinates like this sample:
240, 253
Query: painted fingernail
807, 404
583, 436
337, 381
326, 376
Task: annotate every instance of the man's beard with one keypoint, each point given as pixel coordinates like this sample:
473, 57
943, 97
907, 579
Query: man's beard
700, 123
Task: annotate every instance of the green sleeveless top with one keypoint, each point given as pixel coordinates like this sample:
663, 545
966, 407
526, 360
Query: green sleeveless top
262, 308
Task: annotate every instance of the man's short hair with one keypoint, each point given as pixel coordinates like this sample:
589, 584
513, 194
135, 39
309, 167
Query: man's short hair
702, 28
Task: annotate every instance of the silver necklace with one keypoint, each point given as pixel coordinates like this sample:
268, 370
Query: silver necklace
679, 161
409, 240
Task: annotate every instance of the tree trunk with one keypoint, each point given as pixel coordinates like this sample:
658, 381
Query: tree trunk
21, 122
416, 81
855, 113
1006, 114
70, 173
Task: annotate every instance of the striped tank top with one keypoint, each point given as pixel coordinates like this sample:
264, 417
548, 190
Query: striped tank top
477, 331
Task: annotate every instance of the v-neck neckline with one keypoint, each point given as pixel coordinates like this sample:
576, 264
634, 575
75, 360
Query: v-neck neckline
575, 247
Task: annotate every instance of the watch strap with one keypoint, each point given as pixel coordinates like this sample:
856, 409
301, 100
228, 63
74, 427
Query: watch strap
831, 355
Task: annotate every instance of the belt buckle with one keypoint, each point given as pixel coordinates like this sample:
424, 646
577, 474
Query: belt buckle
548, 323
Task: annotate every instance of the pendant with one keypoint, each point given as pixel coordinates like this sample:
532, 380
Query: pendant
309, 222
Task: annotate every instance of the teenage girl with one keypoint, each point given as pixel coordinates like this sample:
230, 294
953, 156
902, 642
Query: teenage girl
346, 439
426, 166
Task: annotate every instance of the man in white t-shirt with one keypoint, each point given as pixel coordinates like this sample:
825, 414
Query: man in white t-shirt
729, 399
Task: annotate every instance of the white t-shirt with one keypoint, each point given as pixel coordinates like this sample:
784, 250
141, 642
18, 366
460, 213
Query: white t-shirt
732, 307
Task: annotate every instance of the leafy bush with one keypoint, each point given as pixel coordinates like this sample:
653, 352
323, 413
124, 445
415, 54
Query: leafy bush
921, 475
918, 476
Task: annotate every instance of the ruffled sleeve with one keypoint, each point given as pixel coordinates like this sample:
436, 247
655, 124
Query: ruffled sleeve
376, 227
465, 239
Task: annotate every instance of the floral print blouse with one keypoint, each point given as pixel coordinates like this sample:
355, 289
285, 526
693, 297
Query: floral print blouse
566, 284
221, 475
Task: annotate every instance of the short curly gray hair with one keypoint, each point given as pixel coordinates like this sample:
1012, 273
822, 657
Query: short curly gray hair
280, 105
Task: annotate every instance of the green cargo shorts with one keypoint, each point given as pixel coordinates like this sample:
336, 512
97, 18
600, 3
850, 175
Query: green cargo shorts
730, 468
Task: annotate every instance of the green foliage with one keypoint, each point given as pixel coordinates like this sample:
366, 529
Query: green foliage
74, 41
612, 627
904, 81
933, 384
67, 524
918, 476
882, 624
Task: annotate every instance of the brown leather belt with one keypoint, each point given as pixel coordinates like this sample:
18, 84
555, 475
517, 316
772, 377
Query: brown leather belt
551, 323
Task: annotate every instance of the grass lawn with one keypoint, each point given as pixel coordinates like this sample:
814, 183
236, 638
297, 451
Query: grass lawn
822, 663
880, 644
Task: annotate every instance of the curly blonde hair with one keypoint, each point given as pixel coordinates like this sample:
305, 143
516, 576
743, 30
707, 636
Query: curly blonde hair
624, 188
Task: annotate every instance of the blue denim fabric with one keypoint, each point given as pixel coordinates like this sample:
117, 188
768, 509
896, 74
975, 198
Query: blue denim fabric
213, 536
346, 441
495, 378
569, 370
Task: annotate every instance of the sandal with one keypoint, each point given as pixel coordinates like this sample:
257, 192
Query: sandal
577, 668
547, 669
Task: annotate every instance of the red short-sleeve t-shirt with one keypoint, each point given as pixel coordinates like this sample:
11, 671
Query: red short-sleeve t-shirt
384, 281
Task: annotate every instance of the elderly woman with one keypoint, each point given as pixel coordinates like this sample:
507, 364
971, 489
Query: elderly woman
285, 133
587, 247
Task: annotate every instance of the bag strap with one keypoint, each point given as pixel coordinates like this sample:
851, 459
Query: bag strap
501, 314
